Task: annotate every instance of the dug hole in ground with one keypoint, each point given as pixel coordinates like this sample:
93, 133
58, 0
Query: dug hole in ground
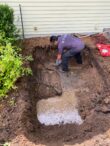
58, 109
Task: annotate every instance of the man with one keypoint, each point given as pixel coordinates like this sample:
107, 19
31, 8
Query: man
68, 46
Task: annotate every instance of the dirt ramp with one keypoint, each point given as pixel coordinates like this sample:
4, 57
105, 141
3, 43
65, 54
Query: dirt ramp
48, 84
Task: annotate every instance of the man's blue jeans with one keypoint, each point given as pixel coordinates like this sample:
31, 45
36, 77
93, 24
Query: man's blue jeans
67, 55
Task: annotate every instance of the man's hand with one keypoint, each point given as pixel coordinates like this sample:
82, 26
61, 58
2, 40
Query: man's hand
58, 62
59, 56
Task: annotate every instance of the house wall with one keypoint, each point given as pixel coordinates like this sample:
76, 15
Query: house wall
46, 17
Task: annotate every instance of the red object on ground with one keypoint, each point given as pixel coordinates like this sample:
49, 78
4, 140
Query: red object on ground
104, 49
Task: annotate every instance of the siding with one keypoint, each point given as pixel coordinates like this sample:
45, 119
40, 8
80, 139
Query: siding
61, 16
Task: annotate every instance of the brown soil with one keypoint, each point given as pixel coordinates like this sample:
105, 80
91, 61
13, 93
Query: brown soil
18, 121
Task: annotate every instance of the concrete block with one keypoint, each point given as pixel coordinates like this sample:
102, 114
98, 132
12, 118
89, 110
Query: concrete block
59, 110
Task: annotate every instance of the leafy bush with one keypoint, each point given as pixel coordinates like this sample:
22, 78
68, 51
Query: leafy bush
6, 144
11, 61
6, 21
11, 68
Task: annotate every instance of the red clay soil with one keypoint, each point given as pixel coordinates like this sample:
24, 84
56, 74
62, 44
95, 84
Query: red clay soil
18, 121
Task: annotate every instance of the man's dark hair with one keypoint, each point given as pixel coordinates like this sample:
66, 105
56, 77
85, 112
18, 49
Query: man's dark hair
53, 38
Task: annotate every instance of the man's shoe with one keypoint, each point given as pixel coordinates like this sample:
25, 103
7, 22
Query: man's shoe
60, 70
63, 71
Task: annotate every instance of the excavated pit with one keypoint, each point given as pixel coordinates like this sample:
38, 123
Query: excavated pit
85, 88
47, 83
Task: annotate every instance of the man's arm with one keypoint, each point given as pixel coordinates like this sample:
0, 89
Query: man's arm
58, 61
59, 56
60, 50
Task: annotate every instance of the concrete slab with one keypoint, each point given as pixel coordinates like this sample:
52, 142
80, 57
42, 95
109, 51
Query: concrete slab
59, 110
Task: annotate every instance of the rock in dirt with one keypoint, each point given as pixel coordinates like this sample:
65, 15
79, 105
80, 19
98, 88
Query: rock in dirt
107, 100
105, 109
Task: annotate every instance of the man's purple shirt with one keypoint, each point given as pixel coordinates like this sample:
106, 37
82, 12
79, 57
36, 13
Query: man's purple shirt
70, 42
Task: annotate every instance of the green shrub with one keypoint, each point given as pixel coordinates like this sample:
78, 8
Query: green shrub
6, 21
11, 68
6, 144
11, 61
